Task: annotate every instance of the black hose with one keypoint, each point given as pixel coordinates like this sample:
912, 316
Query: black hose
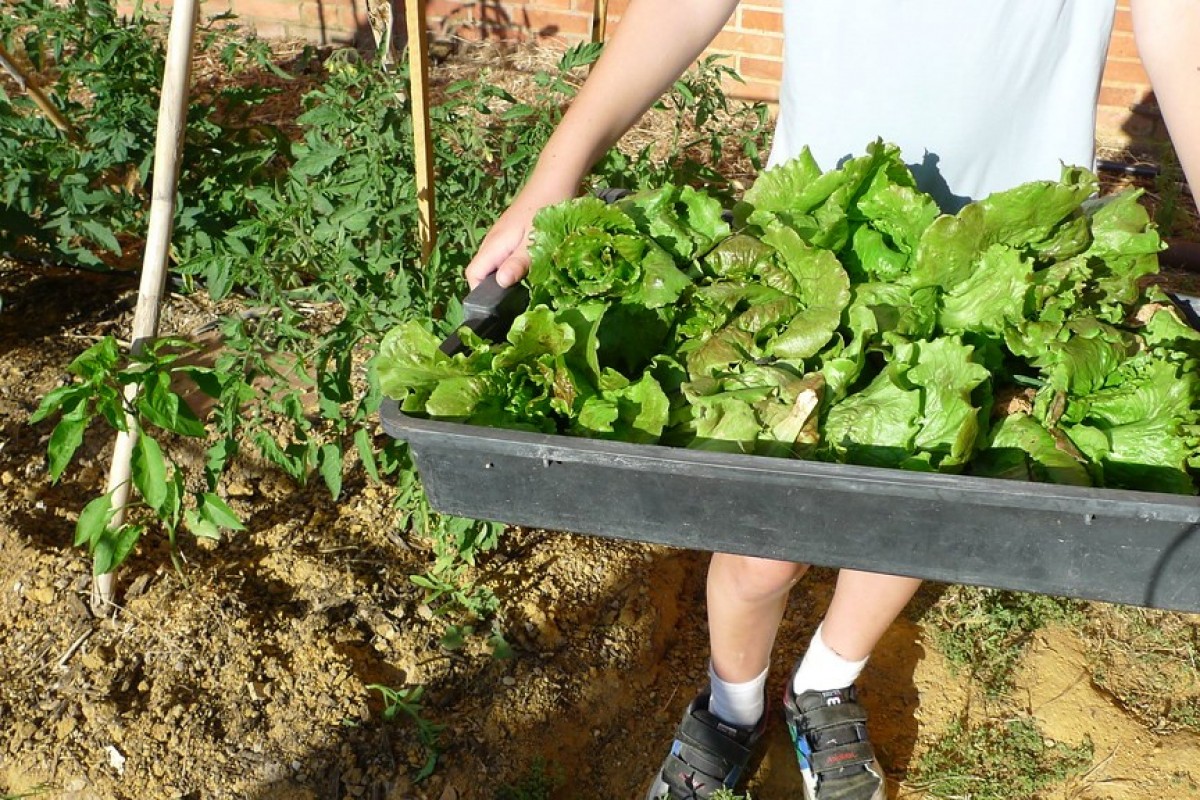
1141, 170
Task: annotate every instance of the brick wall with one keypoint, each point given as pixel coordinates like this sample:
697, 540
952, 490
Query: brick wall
1126, 117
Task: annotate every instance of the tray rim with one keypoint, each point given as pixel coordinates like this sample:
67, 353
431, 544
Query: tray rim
1031, 495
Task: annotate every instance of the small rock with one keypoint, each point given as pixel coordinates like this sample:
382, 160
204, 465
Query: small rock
115, 759
239, 489
509, 680
138, 587
42, 594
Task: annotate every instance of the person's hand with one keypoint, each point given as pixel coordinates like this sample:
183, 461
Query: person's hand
505, 249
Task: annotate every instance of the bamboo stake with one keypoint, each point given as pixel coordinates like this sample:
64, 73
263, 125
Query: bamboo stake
26, 84
599, 21
168, 144
418, 68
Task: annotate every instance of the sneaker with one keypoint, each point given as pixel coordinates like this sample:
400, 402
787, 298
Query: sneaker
829, 731
706, 756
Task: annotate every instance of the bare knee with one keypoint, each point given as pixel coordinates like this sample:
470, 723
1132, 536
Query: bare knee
751, 580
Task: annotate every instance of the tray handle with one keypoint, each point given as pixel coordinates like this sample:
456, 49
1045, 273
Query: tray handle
489, 309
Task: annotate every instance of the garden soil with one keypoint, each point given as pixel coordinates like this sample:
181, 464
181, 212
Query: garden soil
248, 672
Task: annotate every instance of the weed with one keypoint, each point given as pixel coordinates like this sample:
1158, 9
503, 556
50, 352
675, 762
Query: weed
1150, 661
35, 791
1168, 190
538, 783
985, 630
407, 702
997, 760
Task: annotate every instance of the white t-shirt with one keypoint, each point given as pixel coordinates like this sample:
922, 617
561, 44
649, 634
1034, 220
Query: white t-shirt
980, 95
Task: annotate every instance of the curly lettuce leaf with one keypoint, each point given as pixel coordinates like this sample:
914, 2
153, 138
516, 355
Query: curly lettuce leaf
993, 298
877, 426
1020, 448
822, 287
947, 374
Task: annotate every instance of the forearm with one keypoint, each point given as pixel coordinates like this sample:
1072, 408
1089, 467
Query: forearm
656, 41
1168, 40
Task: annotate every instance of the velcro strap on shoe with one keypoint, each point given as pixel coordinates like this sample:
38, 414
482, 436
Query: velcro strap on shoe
689, 780
831, 759
717, 750
824, 717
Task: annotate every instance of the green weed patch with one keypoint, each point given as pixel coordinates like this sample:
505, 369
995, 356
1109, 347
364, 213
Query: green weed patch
997, 760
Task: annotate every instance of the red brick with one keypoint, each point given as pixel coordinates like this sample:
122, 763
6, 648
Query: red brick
441, 8
1123, 22
1120, 96
754, 91
1117, 71
275, 10
760, 68
760, 21
733, 42
567, 24
267, 29
1122, 46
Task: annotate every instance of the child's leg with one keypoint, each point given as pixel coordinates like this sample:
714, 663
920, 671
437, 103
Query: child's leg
827, 724
864, 605
722, 727
746, 600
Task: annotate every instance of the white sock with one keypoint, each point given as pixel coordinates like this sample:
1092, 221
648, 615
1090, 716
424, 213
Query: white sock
823, 670
739, 704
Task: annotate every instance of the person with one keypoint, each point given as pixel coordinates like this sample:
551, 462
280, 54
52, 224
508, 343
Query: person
980, 96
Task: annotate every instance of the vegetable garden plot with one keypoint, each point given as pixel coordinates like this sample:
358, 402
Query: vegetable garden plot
841, 320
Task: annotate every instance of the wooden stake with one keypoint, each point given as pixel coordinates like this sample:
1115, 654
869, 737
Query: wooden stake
9, 65
599, 21
418, 68
168, 144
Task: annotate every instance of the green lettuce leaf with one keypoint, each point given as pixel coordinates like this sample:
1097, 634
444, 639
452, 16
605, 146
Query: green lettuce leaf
1021, 449
993, 298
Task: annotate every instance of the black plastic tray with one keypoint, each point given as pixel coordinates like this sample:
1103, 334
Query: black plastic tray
1139, 548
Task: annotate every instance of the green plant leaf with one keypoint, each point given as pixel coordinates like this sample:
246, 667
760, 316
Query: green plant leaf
125, 539
101, 235
63, 396
199, 526
362, 441
161, 406
149, 470
66, 438
331, 468
213, 509
93, 520
455, 637
113, 547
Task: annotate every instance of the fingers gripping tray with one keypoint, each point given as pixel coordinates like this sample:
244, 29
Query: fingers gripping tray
1138, 548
